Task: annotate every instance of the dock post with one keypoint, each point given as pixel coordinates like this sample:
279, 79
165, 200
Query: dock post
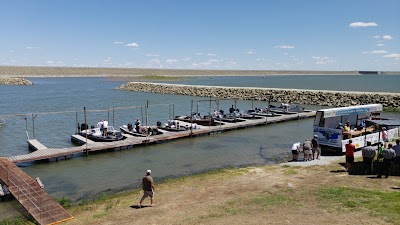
191, 119
86, 133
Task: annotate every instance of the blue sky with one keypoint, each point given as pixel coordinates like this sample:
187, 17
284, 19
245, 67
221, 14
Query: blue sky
206, 34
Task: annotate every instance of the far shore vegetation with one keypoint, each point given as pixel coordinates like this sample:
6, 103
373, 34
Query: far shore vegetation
264, 195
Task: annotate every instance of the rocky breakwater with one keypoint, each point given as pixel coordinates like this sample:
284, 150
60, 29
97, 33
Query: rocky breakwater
14, 81
307, 97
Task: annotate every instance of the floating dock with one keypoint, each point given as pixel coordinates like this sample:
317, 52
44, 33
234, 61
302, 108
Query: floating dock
42, 152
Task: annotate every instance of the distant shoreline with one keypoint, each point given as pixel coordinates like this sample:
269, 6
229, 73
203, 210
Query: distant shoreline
30, 71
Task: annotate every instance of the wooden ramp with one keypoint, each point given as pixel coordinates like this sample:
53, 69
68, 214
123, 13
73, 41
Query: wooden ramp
28, 192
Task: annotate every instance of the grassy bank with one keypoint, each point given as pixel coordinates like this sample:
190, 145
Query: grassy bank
261, 195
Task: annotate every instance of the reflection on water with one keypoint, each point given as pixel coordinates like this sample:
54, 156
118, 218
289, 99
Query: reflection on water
84, 177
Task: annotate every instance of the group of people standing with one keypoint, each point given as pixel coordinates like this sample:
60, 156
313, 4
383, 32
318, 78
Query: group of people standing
103, 125
387, 158
309, 149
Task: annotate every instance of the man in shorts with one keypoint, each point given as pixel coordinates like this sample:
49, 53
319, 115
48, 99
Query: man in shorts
315, 147
295, 150
350, 148
148, 188
307, 146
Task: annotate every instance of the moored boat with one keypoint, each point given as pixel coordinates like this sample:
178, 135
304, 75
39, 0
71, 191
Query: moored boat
95, 134
143, 131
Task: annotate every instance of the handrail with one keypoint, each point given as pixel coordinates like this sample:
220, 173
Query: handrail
20, 189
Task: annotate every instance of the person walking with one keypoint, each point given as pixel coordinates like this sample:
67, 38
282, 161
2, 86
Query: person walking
148, 189
388, 155
368, 154
315, 147
396, 160
295, 151
350, 148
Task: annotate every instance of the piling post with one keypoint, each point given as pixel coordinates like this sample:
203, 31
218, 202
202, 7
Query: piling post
86, 132
191, 119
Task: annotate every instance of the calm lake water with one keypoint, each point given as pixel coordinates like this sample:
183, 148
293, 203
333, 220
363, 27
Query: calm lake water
85, 177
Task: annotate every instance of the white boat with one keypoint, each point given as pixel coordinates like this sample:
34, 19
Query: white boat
142, 132
95, 134
2, 121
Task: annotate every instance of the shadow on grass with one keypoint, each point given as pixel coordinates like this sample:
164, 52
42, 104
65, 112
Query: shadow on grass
359, 169
137, 206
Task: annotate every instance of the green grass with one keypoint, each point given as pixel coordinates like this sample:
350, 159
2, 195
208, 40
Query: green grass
160, 77
380, 203
391, 109
15, 221
267, 200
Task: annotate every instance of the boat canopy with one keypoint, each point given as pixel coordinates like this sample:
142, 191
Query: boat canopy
346, 111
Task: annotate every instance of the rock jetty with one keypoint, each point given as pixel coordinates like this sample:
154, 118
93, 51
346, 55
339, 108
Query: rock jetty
307, 97
14, 81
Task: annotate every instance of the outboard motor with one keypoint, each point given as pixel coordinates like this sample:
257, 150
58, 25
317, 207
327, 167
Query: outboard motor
130, 127
92, 127
84, 126
158, 124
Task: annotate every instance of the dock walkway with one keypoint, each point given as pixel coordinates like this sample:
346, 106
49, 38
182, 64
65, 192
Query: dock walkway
28, 192
130, 141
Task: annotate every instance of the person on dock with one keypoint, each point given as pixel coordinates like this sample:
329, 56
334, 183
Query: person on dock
368, 154
137, 125
105, 128
295, 151
396, 160
148, 188
307, 146
388, 155
350, 148
315, 147
385, 136
100, 125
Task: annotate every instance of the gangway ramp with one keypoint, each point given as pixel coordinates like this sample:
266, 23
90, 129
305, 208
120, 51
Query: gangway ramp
32, 197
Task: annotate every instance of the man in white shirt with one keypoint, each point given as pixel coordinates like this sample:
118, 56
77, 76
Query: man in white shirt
105, 128
295, 150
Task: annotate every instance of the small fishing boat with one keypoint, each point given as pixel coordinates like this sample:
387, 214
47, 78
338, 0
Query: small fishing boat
95, 134
143, 131
173, 126
286, 109
204, 121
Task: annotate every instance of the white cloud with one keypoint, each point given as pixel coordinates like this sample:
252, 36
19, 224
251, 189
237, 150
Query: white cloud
284, 46
108, 59
171, 61
392, 56
363, 24
12, 51
198, 53
132, 44
387, 37
364, 52
30, 47
186, 59
251, 51
380, 45
323, 60
152, 55
50, 62
378, 52
376, 36
118, 42
211, 54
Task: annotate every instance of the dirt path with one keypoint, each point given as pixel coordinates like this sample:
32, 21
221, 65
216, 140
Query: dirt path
264, 195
